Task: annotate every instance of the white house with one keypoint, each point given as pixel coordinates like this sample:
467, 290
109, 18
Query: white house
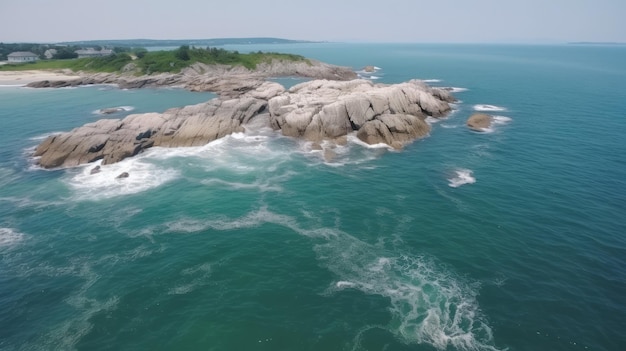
50, 53
93, 53
22, 56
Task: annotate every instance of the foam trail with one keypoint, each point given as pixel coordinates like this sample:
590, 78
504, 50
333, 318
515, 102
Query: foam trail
428, 303
463, 176
432, 80
488, 108
192, 278
9, 237
501, 119
65, 335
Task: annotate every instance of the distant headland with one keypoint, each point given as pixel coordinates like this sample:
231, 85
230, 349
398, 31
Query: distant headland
608, 43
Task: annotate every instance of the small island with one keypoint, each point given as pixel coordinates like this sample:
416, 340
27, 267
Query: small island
323, 111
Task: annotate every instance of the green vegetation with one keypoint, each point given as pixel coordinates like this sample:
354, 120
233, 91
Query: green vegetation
148, 62
174, 61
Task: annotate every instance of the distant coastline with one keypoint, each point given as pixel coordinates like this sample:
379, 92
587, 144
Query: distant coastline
611, 43
190, 42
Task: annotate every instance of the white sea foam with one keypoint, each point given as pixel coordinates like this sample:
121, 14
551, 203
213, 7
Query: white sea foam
344, 285
262, 186
353, 139
449, 126
9, 237
463, 176
488, 108
253, 219
456, 89
501, 119
367, 75
191, 278
432, 120
105, 184
7, 176
44, 136
354, 153
432, 80
79, 307
428, 303
497, 120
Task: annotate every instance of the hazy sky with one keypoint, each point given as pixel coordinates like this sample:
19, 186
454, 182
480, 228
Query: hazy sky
515, 21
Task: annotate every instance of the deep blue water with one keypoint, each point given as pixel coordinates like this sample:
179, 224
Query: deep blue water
513, 239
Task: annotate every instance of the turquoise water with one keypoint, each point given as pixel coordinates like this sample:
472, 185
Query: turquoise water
513, 239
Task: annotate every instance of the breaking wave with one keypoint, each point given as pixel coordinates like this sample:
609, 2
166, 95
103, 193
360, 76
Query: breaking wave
463, 176
105, 184
488, 108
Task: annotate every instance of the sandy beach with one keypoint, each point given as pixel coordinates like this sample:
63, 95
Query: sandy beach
24, 77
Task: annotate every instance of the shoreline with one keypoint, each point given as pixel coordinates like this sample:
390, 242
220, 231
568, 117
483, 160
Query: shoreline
23, 78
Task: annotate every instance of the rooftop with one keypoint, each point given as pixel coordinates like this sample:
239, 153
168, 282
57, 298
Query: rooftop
22, 54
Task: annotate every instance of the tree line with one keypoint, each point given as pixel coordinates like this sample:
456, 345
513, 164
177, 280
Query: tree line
62, 51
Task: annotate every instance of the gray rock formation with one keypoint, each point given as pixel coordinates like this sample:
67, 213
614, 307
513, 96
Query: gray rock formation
391, 114
110, 110
369, 69
222, 79
113, 140
479, 122
316, 111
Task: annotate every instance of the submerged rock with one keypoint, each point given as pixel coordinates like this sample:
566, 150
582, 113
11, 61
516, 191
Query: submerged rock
479, 122
123, 175
111, 110
95, 170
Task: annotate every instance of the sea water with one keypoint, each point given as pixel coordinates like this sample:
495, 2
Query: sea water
513, 238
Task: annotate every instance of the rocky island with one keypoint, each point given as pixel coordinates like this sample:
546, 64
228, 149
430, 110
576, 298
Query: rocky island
328, 108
